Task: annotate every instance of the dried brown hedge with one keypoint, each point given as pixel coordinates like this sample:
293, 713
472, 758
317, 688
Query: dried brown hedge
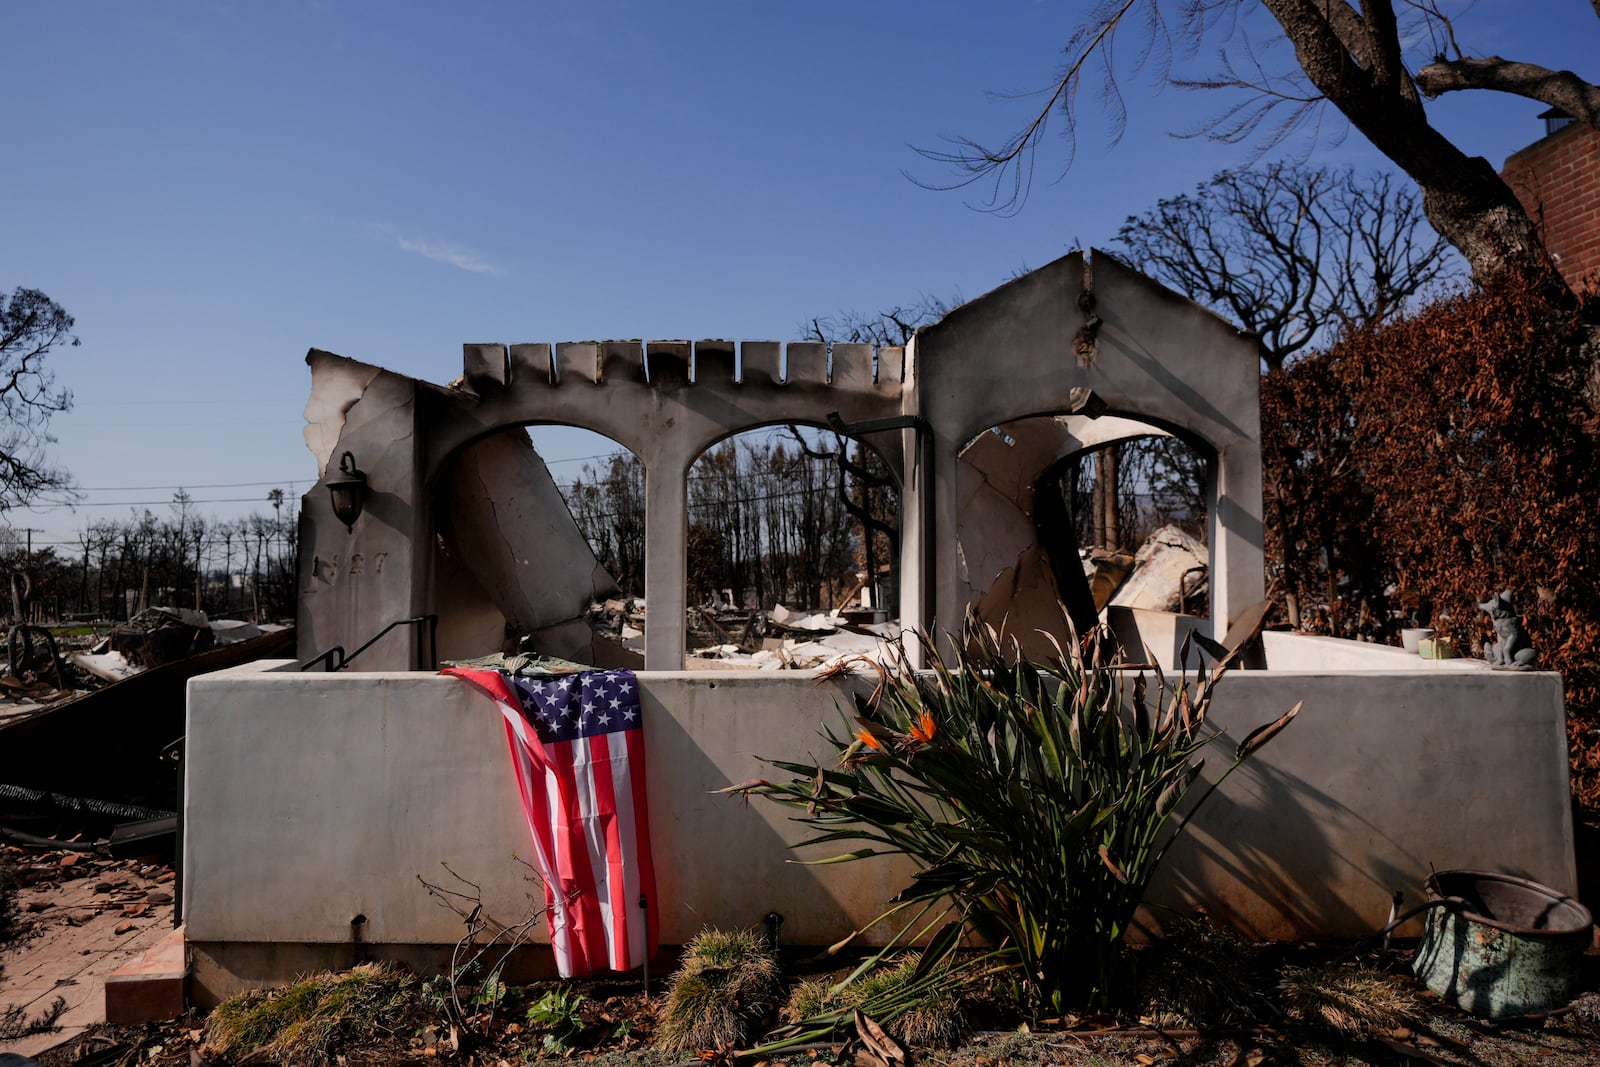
1417, 467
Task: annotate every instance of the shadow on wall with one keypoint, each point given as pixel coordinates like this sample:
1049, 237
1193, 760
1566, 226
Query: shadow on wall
1281, 872
710, 849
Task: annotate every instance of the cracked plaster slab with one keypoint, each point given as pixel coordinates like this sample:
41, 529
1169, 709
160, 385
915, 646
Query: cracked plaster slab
503, 518
337, 384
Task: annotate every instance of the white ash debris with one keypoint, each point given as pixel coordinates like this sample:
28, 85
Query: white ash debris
796, 641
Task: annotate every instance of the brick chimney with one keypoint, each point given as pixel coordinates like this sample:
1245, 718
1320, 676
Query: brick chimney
1557, 178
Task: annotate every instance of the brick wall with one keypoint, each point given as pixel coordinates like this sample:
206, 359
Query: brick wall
1558, 181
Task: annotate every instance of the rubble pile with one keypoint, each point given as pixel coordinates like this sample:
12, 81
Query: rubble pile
621, 620
25, 687
160, 635
723, 636
1168, 573
782, 639
152, 637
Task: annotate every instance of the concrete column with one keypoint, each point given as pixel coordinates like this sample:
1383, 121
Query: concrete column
918, 528
914, 546
945, 604
666, 518
1236, 536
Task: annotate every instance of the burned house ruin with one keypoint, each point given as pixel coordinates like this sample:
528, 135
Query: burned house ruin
315, 800
461, 519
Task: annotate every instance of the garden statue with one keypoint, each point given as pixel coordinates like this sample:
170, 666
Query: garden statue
1511, 648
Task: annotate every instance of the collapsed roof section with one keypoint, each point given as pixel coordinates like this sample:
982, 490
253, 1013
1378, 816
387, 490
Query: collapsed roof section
462, 520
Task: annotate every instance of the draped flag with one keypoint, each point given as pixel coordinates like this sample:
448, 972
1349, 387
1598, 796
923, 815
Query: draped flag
577, 746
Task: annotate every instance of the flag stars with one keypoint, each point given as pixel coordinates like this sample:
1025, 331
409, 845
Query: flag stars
574, 707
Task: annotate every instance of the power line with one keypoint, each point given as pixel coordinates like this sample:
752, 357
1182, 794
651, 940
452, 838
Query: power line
212, 485
147, 503
584, 459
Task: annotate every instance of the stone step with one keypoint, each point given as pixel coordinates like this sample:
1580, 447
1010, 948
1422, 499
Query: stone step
150, 987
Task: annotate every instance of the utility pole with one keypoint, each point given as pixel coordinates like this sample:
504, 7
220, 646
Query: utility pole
30, 531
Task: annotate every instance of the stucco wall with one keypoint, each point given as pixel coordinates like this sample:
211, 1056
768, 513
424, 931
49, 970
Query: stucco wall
313, 798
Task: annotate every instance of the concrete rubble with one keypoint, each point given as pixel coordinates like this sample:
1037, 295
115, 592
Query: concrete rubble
724, 637
506, 530
1169, 573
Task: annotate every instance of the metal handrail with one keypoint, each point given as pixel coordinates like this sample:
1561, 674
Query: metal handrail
338, 661
334, 656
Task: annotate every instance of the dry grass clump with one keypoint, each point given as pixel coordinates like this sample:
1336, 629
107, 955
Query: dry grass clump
929, 1015
727, 985
1201, 975
303, 1023
1352, 1002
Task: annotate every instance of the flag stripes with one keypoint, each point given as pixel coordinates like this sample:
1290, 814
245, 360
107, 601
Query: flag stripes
577, 749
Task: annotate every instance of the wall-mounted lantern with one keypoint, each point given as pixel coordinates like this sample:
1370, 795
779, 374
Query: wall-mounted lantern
349, 492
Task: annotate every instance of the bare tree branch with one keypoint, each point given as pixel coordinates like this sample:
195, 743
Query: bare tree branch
1011, 162
31, 325
1350, 55
1293, 254
1558, 88
892, 327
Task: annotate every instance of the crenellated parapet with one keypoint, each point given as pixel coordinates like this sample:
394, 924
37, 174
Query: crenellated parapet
487, 368
669, 400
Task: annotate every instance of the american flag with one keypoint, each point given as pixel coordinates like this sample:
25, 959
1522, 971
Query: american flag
577, 746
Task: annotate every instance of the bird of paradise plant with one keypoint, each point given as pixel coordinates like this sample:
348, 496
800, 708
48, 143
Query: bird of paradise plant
1039, 798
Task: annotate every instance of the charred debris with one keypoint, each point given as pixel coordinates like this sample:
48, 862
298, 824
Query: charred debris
91, 723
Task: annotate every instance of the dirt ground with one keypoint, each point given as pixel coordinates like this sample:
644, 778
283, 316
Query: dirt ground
111, 906
620, 1022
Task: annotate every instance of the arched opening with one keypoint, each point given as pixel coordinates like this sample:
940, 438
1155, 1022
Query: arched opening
793, 540
532, 557
603, 485
1136, 501
1062, 516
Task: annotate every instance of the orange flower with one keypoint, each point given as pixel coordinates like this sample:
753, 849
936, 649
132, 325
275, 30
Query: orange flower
866, 738
925, 728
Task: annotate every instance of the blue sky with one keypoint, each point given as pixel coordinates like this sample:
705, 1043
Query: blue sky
212, 188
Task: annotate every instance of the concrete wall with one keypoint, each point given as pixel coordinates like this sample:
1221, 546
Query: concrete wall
1298, 652
315, 798
353, 583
